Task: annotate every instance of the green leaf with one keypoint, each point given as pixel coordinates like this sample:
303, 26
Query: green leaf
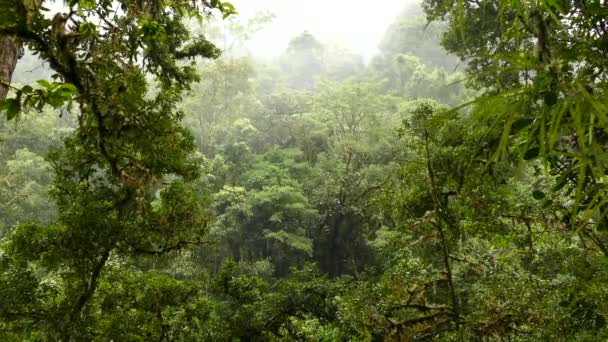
55, 99
39, 104
87, 4
228, 9
44, 84
229, 6
532, 153
520, 124
152, 30
87, 30
292, 240
538, 195
68, 88
550, 98
12, 108
560, 183
544, 80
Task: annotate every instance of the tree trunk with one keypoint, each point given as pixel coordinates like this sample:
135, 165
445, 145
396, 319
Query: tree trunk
10, 45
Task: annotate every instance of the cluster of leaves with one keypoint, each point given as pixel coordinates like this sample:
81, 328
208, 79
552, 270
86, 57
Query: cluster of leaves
120, 181
542, 66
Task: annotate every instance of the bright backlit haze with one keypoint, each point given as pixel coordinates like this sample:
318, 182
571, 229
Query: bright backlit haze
351, 23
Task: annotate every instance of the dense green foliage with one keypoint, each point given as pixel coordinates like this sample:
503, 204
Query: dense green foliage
150, 194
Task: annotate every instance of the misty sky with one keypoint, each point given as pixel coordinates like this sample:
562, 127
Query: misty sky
352, 23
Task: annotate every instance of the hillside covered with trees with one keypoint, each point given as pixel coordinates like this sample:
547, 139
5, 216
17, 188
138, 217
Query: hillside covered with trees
158, 182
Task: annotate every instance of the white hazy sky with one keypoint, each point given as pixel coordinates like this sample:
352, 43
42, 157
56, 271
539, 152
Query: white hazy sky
355, 24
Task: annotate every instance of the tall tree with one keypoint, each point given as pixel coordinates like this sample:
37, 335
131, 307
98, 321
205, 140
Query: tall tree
542, 66
9, 51
11, 44
121, 178
303, 60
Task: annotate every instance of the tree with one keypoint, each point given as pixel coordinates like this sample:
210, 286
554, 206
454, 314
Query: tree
11, 44
303, 61
410, 34
25, 183
543, 67
121, 178
350, 171
225, 94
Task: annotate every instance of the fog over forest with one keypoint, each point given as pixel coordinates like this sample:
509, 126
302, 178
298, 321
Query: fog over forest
289, 170
357, 25
354, 25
